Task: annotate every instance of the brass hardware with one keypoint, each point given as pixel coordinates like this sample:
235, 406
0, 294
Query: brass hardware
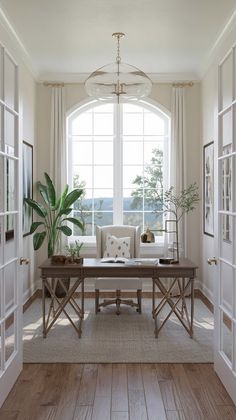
212, 261
24, 261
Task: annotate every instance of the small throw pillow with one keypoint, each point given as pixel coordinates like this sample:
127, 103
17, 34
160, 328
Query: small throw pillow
117, 247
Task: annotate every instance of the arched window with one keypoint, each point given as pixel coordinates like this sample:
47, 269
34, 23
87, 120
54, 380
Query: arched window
120, 155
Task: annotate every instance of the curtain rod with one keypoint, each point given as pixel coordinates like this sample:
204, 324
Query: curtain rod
62, 84
183, 84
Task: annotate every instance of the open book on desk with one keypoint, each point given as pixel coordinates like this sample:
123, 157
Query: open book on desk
146, 261
115, 260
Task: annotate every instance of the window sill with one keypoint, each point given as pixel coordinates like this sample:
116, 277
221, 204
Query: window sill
146, 249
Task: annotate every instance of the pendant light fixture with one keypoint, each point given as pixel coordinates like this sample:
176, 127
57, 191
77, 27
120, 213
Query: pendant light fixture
117, 81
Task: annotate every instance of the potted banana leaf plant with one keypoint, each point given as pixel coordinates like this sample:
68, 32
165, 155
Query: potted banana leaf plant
53, 214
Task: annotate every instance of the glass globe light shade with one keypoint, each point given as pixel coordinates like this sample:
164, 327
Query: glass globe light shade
119, 82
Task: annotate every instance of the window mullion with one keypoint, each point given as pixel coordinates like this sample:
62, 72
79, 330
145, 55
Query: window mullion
117, 167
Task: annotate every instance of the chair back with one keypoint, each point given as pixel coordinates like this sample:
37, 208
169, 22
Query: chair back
120, 232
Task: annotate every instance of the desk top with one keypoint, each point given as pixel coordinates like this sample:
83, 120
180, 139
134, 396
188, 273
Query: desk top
92, 267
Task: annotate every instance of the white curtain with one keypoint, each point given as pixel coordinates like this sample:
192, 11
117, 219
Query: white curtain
178, 154
58, 148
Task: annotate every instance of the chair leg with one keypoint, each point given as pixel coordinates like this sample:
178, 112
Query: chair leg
97, 309
139, 298
118, 302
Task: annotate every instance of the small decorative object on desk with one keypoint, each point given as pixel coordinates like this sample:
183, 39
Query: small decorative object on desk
167, 261
73, 253
58, 259
147, 236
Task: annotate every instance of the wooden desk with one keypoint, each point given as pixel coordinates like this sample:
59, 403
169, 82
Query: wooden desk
181, 274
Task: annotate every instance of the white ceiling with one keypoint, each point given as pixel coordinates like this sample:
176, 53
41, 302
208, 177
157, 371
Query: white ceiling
74, 36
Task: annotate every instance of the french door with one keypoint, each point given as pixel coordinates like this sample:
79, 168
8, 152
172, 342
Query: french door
225, 303
10, 226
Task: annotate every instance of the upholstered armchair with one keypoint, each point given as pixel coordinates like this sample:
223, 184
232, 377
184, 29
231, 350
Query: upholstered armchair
118, 284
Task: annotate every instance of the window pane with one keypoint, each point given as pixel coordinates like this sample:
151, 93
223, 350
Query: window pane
103, 199
103, 176
103, 219
133, 124
130, 174
103, 124
82, 153
153, 151
103, 108
133, 200
133, 218
103, 153
82, 124
154, 222
132, 153
85, 174
153, 124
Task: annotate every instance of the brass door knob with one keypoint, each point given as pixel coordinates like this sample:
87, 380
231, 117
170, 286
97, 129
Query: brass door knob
24, 261
212, 261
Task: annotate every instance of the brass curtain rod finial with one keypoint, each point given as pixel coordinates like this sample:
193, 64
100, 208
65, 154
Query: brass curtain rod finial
52, 84
182, 84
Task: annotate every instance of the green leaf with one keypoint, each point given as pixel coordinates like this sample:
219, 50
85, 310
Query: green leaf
66, 230
75, 221
43, 191
72, 197
65, 211
61, 200
34, 226
38, 239
38, 208
50, 190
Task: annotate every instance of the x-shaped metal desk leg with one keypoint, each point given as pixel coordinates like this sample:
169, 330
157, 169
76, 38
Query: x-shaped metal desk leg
167, 298
47, 325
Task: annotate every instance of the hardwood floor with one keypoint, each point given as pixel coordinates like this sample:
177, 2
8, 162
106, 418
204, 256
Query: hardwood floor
118, 392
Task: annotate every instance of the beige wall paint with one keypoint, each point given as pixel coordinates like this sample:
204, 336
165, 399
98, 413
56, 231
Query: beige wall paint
161, 93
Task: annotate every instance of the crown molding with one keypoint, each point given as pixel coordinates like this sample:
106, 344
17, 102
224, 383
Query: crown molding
213, 54
68, 78
18, 45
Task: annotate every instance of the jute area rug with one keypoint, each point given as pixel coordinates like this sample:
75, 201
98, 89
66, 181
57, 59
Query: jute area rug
127, 338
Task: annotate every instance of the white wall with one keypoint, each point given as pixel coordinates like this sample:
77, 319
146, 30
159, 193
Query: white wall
160, 93
27, 108
209, 92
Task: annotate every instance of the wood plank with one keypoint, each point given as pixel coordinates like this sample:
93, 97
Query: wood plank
67, 403
226, 412
170, 395
119, 388
216, 388
137, 403
83, 412
189, 402
102, 408
163, 371
43, 413
134, 375
119, 415
102, 401
53, 382
20, 392
154, 402
104, 380
9, 414
88, 385
175, 415
202, 392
